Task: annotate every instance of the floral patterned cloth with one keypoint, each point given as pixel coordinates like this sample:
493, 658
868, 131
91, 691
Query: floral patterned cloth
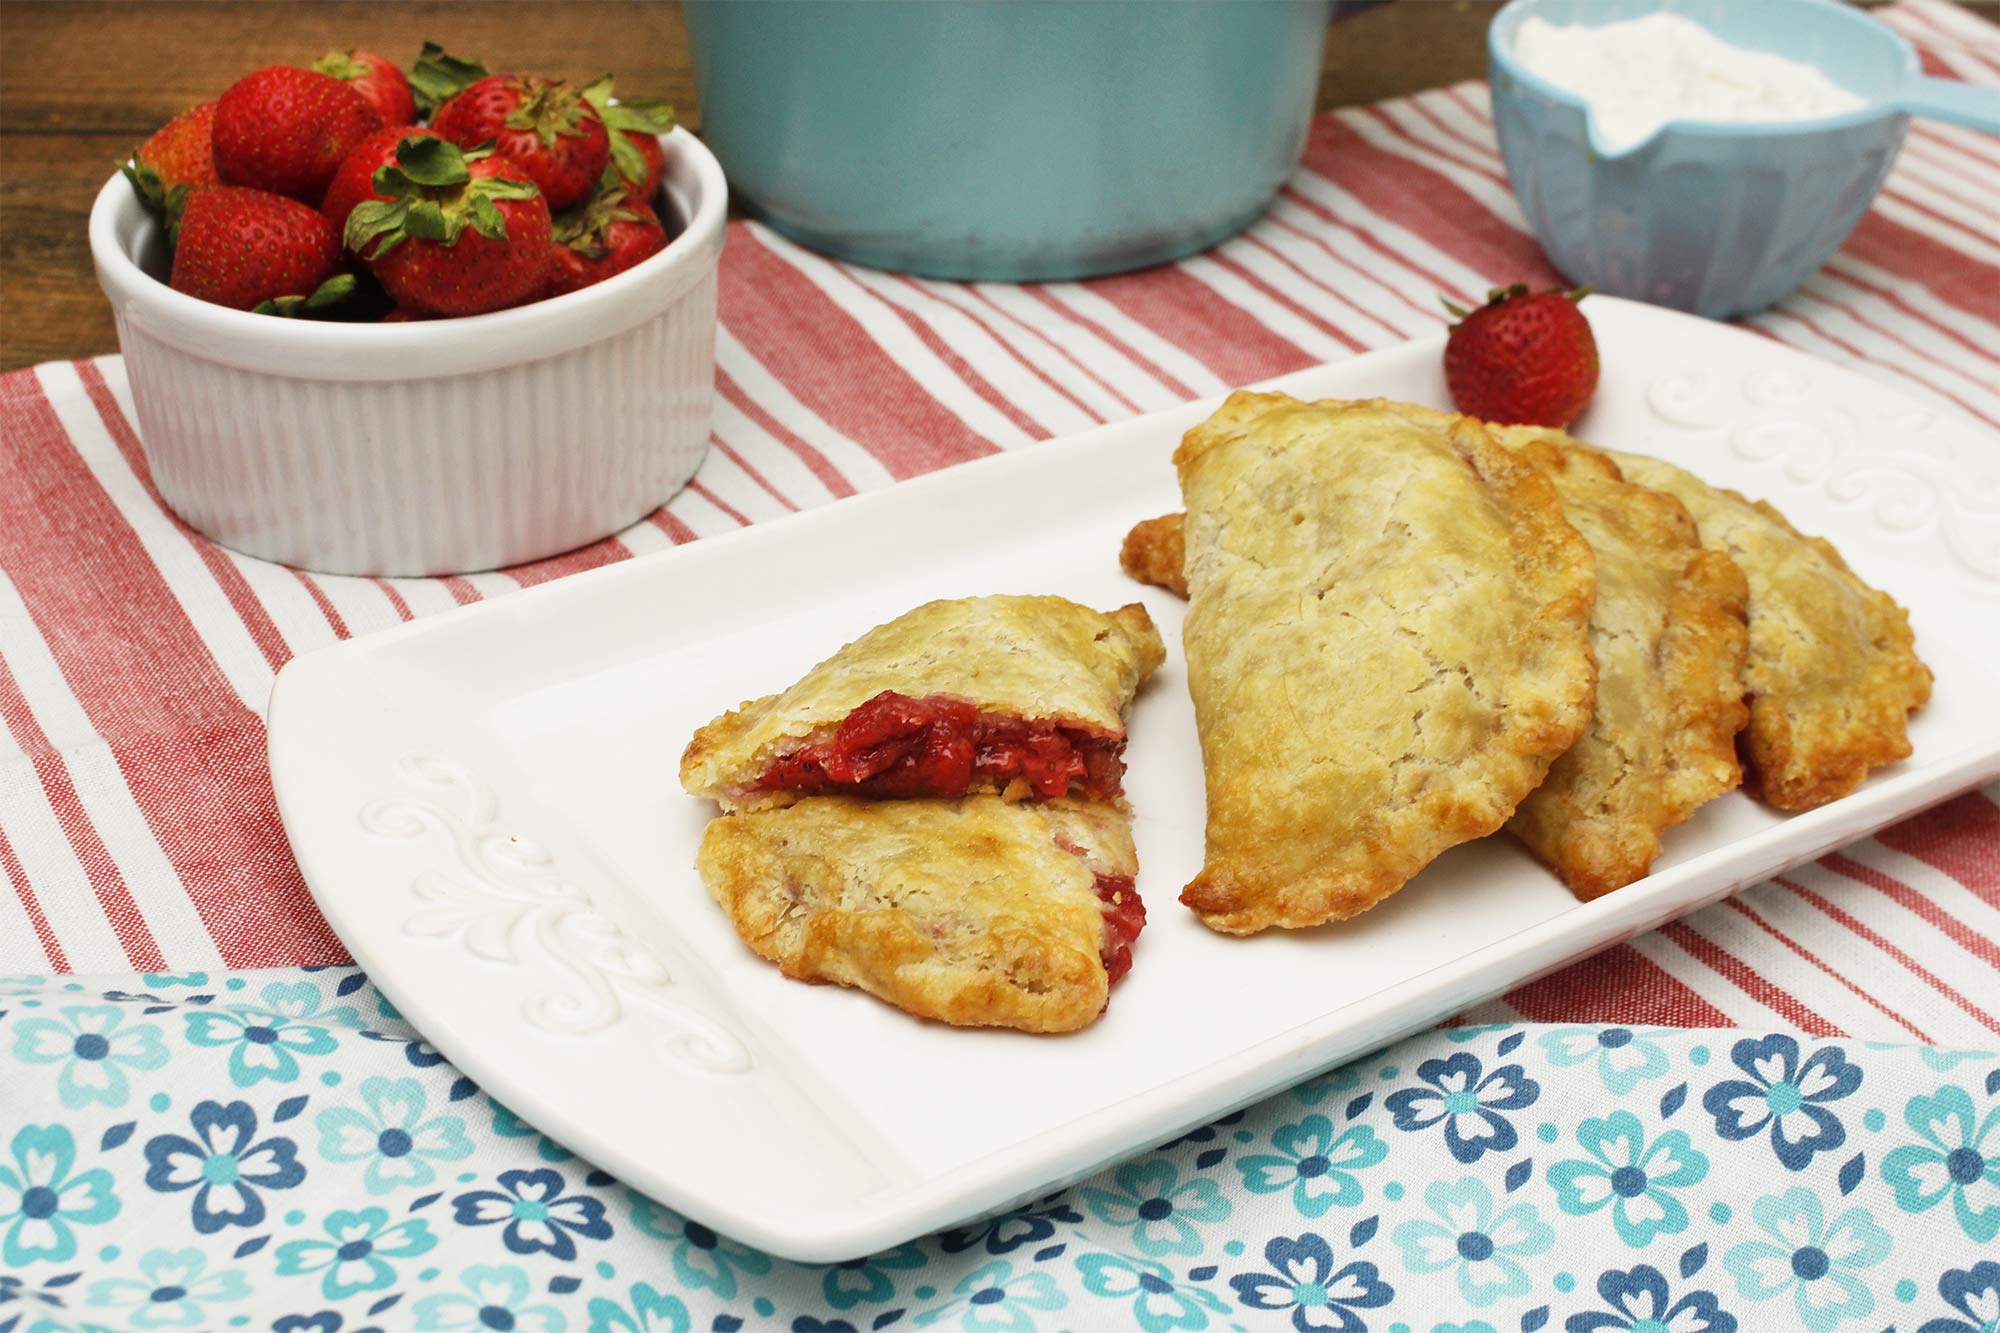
278, 1150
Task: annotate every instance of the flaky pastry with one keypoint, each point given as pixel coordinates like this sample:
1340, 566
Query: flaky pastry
977, 912
1668, 633
1833, 671
1019, 695
1386, 641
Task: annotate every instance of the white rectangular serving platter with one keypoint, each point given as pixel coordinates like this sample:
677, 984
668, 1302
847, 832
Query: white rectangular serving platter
485, 807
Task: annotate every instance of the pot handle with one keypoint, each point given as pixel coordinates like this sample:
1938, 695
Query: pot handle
1966, 104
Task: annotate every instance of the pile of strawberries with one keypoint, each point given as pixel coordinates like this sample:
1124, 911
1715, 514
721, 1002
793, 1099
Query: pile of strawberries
351, 190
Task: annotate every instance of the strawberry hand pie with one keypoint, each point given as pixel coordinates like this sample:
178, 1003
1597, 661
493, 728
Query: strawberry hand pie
1019, 696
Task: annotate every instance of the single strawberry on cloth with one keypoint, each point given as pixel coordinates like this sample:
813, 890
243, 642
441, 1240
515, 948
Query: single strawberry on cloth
188, 1149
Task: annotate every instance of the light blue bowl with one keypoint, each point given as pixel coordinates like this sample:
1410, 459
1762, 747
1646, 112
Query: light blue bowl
1002, 139
1717, 218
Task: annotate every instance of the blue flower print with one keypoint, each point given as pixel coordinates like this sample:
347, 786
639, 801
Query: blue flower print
356, 1254
174, 1289
392, 1135
1302, 1279
1786, 1095
42, 1202
853, 1282
267, 1040
95, 1047
1812, 1259
495, 1297
1623, 1058
1973, 1292
1955, 1160
1641, 1302
1314, 1163
649, 1311
510, 1126
419, 1053
700, 1257
537, 1213
1630, 1175
43, 1297
1010, 1231
1481, 1245
223, 1166
1159, 1303
994, 1299
1468, 1101
1158, 1207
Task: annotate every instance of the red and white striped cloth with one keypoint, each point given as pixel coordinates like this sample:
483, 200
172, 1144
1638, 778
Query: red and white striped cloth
137, 827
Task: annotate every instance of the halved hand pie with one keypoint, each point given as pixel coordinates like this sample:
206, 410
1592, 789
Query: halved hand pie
1668, 633
1018, 695
977, 912
1833, 671
1386, 643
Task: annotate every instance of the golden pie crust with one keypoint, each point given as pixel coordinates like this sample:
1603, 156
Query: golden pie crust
1037, 658
977, 912
1833, 672
1668, 633
1387, 647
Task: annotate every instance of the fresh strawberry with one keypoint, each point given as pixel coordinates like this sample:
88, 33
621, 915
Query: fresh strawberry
455, 233
285, 131
1522, 359
545, 127
608, 235
377, 79
402, 314
355, 181
176, 159
242, 248
636, 127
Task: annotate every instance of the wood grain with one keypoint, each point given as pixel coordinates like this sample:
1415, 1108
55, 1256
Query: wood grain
86, 80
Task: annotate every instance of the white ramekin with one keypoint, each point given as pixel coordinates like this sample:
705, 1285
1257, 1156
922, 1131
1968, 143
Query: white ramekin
433, 447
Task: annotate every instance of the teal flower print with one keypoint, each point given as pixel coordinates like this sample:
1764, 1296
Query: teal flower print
1816, 1261
168, 980
510, 1126
1630, 1175
95, 1047
28, 985
267, 1040
42, 1203
392, 1135
1159, 1303
1482, 1246
700, 1257
1157, 1207
495, 1297
649, 1311
356, 1255
1623, 1058
995, 1299
174, 1289
1314, 1163
1958, 1159
869, 1280
1315, 1091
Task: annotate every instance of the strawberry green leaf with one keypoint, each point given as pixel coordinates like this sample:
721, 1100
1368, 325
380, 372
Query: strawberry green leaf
427, 160
647, 117
340, 65
426, 222
625, 156
486, 219
437, 77
332, 292
376, 220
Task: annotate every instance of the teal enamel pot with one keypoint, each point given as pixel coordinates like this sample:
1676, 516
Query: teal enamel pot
1006, 139
1717, 218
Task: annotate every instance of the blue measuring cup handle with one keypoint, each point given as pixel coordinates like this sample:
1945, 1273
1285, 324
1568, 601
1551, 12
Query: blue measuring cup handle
1966, 104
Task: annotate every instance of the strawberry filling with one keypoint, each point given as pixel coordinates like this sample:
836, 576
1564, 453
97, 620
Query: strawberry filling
1124, 918
938, 746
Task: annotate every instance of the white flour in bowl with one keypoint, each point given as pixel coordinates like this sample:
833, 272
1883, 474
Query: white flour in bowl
1640, 73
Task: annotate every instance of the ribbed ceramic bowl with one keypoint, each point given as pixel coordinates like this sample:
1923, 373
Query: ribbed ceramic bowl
432, 447
1717, 218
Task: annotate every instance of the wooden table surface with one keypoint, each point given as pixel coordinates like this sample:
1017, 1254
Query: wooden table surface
83, 81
